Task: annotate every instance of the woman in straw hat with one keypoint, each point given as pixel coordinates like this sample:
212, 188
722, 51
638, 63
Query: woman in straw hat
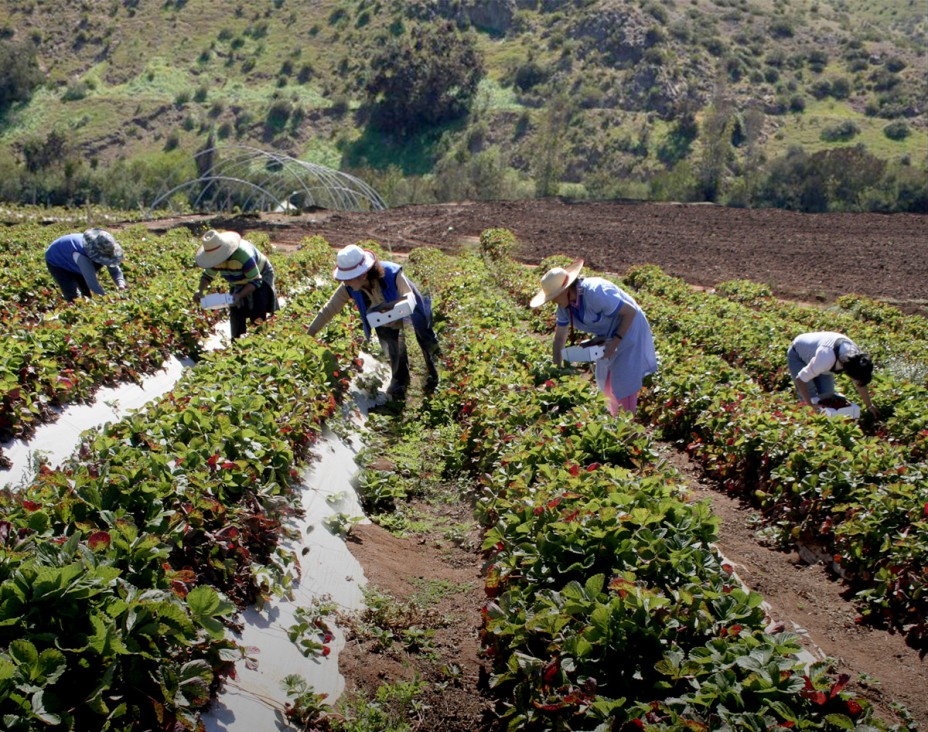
599, 307
249, 273
370, 282
74, 259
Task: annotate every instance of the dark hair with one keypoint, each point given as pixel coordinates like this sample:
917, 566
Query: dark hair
859, 367
376, 272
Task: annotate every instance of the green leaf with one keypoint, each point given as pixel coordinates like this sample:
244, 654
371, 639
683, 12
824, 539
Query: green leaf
205, 606
39, 710
594, 585
840, 721
24, 653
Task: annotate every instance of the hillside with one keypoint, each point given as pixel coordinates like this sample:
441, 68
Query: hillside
591, 99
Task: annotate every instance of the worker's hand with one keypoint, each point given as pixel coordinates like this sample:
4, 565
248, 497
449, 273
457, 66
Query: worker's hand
197, 296
611, 345
874, 410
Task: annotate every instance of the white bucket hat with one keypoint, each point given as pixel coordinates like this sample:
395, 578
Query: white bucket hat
555, 281
352, 261
101, 247
217, 247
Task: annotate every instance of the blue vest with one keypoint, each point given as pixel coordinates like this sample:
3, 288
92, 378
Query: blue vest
421, 316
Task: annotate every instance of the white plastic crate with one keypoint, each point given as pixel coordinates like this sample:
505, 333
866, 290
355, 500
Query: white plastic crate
389, 312
584, 352
852, 411
216, 301
849, 409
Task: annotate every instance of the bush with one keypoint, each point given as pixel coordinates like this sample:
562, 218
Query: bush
884, 80
781, 28
840, 132
76, 91
832, 180
172, 142
818, 60
277, 116
840, 87
895, 64
426, 77
529, 75
821, 89
19, 73
897, 130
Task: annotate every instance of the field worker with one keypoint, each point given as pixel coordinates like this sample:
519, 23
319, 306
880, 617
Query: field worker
249, 273
73, 261
814, 359
370, 282
599, 307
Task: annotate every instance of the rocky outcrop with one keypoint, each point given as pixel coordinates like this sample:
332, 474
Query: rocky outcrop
494, 16
615, 31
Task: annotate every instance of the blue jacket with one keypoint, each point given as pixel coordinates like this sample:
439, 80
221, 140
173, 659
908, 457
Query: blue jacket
421, 316
60, 252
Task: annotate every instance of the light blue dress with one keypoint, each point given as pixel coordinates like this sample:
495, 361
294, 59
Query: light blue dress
597, 313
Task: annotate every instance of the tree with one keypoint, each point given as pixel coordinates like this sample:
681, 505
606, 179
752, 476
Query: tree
19, 73
716, 154
425, 77
548, 160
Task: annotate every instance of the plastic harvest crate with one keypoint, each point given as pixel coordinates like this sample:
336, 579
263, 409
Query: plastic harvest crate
216, 301
851, 411
585, 351
389, 312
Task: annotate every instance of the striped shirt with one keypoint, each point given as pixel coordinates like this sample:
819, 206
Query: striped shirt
244, 266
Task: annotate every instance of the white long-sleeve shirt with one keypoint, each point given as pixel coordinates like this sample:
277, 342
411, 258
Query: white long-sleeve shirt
817, 351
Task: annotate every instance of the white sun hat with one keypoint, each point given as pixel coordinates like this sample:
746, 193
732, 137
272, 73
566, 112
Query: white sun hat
352, 261
555, 281
217, 247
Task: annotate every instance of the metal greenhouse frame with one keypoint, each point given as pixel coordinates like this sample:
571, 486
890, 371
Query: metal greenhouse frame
250, 179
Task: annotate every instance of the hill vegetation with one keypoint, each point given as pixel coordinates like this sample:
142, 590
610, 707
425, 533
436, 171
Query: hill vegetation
810, 105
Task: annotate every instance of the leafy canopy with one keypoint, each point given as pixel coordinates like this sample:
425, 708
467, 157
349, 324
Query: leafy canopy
426, 76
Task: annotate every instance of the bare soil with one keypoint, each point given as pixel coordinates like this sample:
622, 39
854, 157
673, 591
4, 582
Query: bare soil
806, 257
809, 257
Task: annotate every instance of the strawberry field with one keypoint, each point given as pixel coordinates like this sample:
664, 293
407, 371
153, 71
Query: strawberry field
607, 607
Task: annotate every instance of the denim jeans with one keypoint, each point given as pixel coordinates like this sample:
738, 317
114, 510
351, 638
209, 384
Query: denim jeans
821, 386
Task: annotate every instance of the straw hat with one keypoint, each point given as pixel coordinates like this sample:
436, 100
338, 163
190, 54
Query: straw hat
352, 261
217, 247
555, 281
101, 247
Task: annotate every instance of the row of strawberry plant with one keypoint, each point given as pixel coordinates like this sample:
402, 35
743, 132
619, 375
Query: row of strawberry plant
608, 605
862, 499
900, 385
63, 356
880, 323
858, 498
752, 339
116, 568
819, 481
